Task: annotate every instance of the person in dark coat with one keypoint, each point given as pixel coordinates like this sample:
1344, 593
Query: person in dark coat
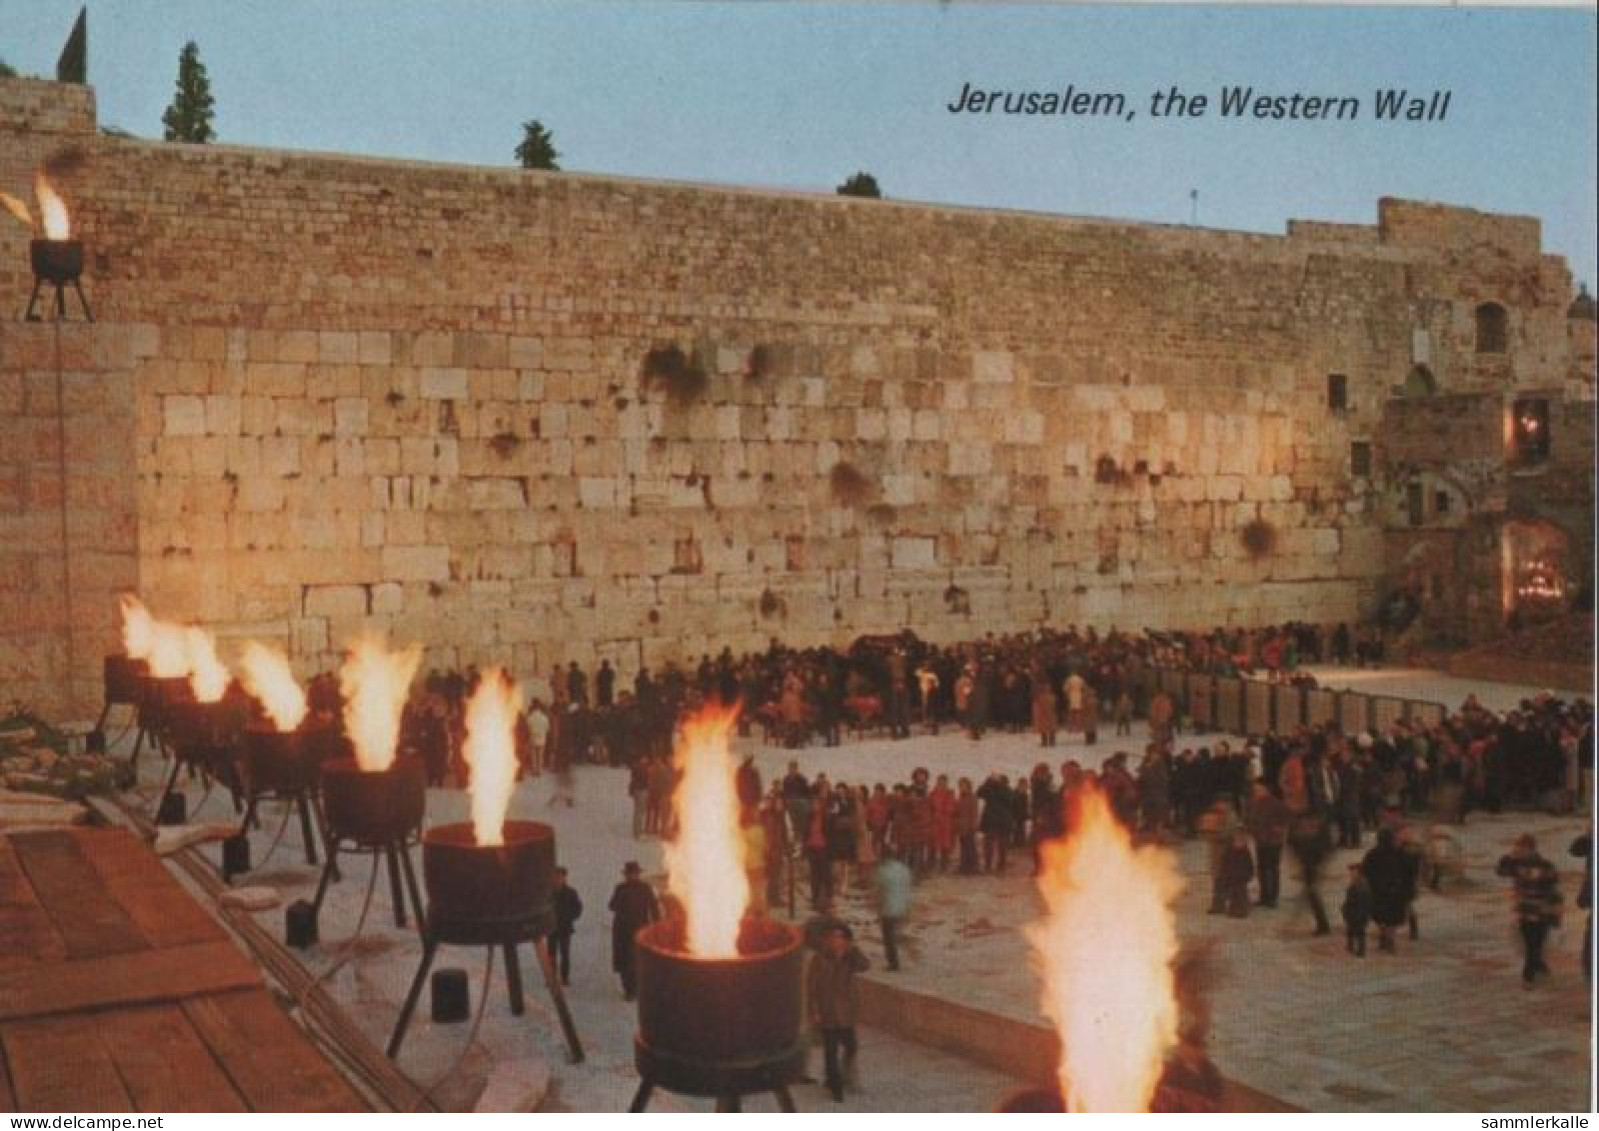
1268, 821
1357, 911
1237, 868
568, 909
633, 907
997, 823
1311, 843
835, 1003
1537, 886
1389, 871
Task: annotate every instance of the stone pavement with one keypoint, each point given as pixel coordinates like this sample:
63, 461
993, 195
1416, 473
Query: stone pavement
1443, 1025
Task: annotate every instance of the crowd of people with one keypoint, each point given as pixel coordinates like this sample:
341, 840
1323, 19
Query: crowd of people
1303, 793
1045, 681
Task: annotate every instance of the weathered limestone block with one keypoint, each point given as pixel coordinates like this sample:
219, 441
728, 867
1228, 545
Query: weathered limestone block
443, 384
1025, 426
275, 379
374, 347
993, 367
183, 415
495, 494
294, 417
335, 601
351, 416
734, 492
416, 563
969, 458
524, 353
597, 458
223, 415
432, 348
598, 494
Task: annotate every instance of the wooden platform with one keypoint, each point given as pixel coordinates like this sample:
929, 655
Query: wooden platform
119, 993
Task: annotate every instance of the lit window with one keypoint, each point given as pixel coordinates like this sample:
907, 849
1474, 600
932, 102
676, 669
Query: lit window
1529, 431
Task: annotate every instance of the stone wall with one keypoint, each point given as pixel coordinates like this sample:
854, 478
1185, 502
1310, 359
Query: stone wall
381, 394
58, 587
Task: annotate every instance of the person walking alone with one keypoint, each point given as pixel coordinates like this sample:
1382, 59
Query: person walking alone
835, 1003
1537, 895
893, 903
633, 907
568, 909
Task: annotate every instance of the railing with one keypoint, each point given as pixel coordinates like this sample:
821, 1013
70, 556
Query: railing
1252, 706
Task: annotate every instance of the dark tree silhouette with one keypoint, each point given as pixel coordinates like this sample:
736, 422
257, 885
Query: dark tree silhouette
189, 116
537, 150
861, 184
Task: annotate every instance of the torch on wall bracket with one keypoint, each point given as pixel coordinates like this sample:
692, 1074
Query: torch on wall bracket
58, 263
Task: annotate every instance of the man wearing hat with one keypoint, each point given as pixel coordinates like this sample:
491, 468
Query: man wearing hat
634, 907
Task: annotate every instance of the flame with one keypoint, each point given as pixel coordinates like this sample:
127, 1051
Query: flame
52, 210
1106, 947
266, 675
375, 683
490, 750
17, 208
163, 644
705, 867
208, 675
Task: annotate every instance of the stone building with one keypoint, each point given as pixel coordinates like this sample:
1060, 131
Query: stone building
532, 418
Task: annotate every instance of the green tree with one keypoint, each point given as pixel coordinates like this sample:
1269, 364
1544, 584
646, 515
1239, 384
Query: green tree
861, 184
537, 150
189, 116
7, 71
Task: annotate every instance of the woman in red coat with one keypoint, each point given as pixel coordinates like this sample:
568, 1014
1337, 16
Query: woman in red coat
941, 803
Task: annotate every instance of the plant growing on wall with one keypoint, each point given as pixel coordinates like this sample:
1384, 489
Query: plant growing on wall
537, 149
1259, 538
669, 368
189, 116
759, 363
850, 485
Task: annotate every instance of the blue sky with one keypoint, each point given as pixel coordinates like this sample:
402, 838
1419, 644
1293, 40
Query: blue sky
801, 94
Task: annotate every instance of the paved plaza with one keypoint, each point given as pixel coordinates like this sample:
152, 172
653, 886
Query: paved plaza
1442, 1025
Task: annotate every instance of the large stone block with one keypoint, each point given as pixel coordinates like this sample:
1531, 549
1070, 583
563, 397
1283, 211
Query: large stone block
416, 563
351, 416
183, 416
448, 384
336, 601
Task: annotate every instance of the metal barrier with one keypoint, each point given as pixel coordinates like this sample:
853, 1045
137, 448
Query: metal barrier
1200, 700
1321, 706
1385, 712
1230, 705
1288, 707
1354, 712
1425, 713
1255, 706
